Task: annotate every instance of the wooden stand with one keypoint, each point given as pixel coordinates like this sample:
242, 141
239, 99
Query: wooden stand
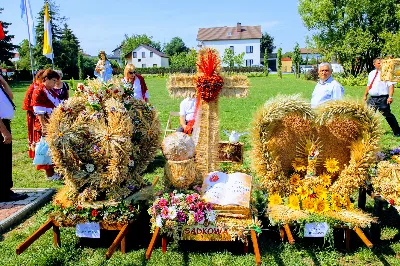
253, 236
119, 240
285, 230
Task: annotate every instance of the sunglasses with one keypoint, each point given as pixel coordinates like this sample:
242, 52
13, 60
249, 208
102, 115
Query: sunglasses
132, 72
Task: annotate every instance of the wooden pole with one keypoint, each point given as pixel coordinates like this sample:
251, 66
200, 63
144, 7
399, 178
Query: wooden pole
255, 247
46, 226
164, 244
288, 233
117, 241
152, 242
364, 239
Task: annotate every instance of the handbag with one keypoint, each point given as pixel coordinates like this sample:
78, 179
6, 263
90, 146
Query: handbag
42, 153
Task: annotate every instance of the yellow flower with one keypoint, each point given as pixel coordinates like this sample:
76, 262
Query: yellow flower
275, 199
335, 204
308, 204
295, 179
299, 164
325, 179
294, 202
321, 206
303, 192
331, 165
396, 158
321, 191
347, 203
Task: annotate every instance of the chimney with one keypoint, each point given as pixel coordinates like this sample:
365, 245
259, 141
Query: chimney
239, 27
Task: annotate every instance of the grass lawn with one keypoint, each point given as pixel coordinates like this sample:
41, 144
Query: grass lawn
235, 114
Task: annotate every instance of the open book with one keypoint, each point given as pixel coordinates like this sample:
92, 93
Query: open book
227, 189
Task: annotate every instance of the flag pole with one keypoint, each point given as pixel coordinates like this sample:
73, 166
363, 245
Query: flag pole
29, 38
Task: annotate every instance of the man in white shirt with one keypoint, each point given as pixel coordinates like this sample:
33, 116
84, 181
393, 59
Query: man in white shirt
381, 96
186, 112
7, 108
327, 88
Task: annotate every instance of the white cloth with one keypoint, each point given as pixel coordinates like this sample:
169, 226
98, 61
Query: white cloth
40, 110
187, 108
379, 87
326, 91
6, 108
137, 89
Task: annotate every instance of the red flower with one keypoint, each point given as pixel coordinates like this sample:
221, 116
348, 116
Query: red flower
312, 196
130, 207
79, 208
95, 213
391, 202
214, 178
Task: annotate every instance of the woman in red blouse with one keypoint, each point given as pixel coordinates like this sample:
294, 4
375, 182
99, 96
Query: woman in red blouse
30, 116
44, 100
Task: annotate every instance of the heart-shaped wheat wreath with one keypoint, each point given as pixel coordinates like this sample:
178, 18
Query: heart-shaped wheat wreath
310, 161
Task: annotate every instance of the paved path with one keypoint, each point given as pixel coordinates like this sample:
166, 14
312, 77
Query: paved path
13, 212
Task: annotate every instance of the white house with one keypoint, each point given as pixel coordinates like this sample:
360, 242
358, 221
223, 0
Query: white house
146, 56
240, 39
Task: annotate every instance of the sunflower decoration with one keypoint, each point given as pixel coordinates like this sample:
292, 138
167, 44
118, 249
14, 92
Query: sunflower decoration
308, 204
303, 192
331, 165
325, 179
321, 192
321, 205
299, 165
294, 202
274, 199
295, 179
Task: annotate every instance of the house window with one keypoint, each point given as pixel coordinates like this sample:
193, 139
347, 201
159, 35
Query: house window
249, 49
151, 54
143, 54
154, 65
134, 55
143, 65
232, 48
139, 60
249, 62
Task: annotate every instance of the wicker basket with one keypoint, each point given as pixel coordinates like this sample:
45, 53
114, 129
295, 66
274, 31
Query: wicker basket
180, 174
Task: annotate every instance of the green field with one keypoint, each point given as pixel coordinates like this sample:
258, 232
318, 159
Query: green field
235, 114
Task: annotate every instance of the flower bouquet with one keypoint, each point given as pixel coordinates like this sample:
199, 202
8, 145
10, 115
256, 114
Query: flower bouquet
173, 210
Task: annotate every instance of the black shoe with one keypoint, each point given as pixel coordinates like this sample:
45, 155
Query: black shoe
12, 196
397, 135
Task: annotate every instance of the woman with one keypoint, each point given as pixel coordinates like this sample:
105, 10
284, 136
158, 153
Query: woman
103, 69
44, 100
30, 116
61, 88
131, 78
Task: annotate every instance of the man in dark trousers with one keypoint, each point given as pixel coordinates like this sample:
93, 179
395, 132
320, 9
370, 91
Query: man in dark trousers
381, 96
7, 109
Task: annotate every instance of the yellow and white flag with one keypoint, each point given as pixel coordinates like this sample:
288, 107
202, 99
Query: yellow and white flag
47, 38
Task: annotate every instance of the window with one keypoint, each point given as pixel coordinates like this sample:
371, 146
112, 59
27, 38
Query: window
151, 54
143, 65
249, 62
143, 54
154, 65
249, 49
139, 60
134, 54
232, 48
229, 34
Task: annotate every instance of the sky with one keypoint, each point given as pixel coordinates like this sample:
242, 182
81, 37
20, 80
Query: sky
102, 25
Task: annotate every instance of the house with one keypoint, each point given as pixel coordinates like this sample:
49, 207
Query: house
286, 64
240, 39
146, 56
309, 54
116, 55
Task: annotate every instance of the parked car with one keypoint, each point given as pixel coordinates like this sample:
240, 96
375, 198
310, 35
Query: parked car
306, 68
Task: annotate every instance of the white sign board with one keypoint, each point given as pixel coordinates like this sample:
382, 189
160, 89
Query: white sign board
316, 229
89, 230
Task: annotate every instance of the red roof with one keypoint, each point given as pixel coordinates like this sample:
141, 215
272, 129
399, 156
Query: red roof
287, 59
308, 51
229, 33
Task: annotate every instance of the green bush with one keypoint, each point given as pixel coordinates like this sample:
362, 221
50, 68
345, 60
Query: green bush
350, 80
311, 74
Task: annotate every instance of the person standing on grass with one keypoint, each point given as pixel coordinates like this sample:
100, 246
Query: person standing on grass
381, 96
7, 109
135, 82
44, 100
61, 88
30, 115
327, 88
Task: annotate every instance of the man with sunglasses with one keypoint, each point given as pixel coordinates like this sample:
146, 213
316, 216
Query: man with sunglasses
381, 96
327, 88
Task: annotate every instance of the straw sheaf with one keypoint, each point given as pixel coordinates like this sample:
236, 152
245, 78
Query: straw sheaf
387, 181
183, 86
94, 149
180, 174
283, 214
353, 217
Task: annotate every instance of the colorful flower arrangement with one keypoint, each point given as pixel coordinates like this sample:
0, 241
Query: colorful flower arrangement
110, 214
173, 210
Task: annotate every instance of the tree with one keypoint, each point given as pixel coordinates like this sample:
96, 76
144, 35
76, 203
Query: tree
296, 60
80, 66
279, 57
266, 71
68, 54
267, 43
287, 55
230, 59
133, 42
184, 60
352, 31
6, 46
175, 46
